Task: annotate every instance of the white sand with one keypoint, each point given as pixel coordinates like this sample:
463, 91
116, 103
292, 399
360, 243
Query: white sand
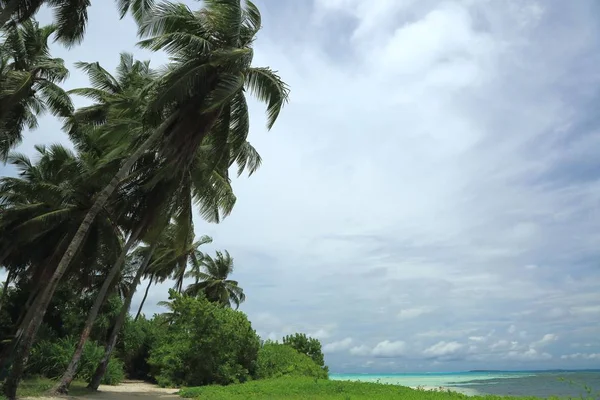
129, 390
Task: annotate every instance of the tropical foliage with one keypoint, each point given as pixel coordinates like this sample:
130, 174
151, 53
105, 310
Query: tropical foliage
306, 345
211, 280
203, 344
302, 388
82, 225
276, 360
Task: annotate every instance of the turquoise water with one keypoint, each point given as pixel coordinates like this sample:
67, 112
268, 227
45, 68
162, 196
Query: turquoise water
525, 383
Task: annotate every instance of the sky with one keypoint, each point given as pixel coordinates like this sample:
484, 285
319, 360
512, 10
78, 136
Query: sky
429, 197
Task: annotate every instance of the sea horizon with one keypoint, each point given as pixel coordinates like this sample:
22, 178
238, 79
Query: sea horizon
542, 383
469, 371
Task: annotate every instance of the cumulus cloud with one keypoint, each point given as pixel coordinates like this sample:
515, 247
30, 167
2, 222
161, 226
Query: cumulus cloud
361, 350
545, 340
337, 346
389, 349
409, 313
443, 349
528, 355
477, 338
583, 356
395, 106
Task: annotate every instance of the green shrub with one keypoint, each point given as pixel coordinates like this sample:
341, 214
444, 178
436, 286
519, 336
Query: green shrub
134, 344
51, 358
307, 345
311, 389
276, 360
203, 343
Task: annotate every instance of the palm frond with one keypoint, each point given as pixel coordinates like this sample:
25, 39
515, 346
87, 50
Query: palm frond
99, 77
269, 88
56, 99
71, 19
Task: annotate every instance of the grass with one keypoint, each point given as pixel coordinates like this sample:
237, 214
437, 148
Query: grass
37, 387
310, 389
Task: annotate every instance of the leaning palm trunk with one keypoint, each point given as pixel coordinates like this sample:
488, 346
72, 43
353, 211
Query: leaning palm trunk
112, 341
5, 287
69, 374
25, 316
7, 12
24, 319
25, 340
144, 299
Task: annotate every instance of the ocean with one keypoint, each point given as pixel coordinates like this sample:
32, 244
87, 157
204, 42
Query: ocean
521, 383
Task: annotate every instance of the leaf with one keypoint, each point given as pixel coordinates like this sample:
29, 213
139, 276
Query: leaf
269, 88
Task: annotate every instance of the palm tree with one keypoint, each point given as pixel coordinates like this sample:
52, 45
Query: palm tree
213, 282
115, 95
161, 252
41, 210
206, 84
70, 16
29, 80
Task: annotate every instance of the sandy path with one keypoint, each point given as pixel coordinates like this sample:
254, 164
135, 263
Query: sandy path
131, 390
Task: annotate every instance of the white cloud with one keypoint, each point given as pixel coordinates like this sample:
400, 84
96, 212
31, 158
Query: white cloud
528, 355
389, 349
545, 340
361, 350
443, 349
339, 345
582, 356
586, 310
409, 313
477, 338
512, 329
428, 156
320, 334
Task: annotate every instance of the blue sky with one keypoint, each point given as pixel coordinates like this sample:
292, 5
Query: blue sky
429, 198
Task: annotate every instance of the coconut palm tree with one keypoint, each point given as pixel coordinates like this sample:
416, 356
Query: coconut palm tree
70, 16
205, 84
29, 79
213, 282
41, 210
162, 252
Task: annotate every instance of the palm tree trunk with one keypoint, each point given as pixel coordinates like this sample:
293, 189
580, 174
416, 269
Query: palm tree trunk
25, 315
5, 287
69, 374
144, 298
112, 341
24, 347
7, 12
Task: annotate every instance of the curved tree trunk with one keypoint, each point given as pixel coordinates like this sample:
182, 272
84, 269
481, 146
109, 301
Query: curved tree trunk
7, 12
112, 341
25, 316
144, 299
5, 287
69, 374
25, 340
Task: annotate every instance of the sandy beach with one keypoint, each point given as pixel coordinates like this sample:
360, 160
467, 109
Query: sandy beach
129, 390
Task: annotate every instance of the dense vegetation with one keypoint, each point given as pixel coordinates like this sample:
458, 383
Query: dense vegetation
306, 388
81, 228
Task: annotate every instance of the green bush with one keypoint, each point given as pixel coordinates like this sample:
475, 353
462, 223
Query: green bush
276, 360
310, 389
134, 344
203, 343
307, 345
51, 358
